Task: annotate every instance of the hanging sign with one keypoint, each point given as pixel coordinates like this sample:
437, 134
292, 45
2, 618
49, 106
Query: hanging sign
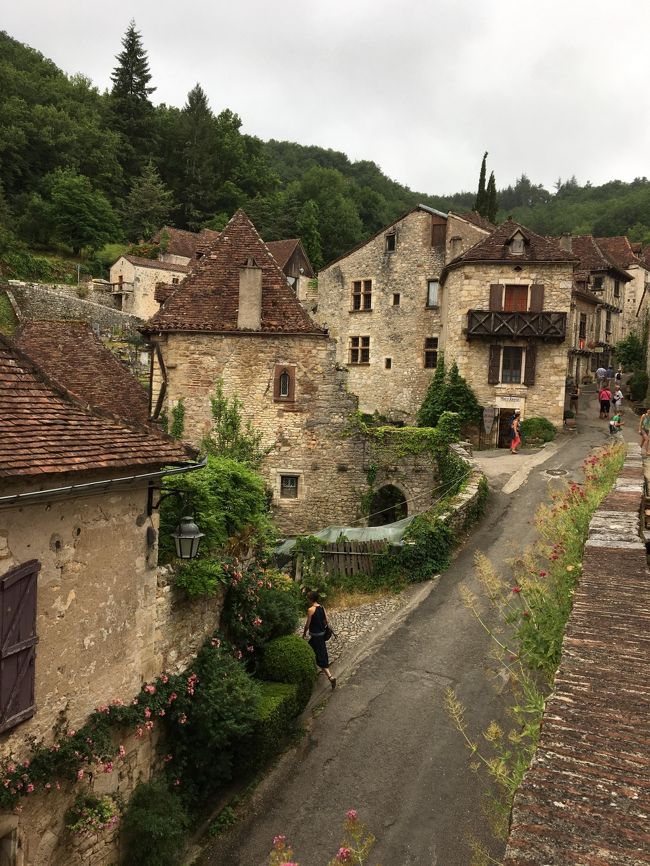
489, 414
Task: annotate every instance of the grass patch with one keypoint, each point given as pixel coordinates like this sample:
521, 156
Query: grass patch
8, 320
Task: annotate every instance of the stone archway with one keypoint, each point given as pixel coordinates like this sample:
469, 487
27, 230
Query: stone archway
388, 505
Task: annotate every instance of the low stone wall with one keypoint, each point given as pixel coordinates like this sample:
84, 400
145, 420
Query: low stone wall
466, 505
45, 302
586, 797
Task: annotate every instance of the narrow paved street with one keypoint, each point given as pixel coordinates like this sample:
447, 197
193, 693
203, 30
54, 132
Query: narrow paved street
383, 744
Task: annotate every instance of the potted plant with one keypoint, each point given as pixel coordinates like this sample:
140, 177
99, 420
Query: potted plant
569, 419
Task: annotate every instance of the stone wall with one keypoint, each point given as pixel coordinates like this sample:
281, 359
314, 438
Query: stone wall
397, 331
468, 287
42, 302
139, 283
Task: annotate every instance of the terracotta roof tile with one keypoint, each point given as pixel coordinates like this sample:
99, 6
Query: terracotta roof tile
43, 430
593, 257
476, 219
75, 358
619, 249
184, 243
208, 298
156, 265
282, 250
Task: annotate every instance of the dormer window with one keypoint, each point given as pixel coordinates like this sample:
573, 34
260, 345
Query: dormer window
391, 241
517, 244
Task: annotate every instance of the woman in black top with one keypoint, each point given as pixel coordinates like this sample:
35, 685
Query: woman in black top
316, 624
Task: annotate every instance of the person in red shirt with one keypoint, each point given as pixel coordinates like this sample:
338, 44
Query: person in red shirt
605, 397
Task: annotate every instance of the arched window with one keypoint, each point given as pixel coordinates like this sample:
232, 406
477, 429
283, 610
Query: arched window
284, 383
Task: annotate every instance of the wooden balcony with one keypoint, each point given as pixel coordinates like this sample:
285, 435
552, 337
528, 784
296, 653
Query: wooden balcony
502, 325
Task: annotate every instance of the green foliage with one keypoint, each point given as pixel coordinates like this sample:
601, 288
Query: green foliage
230, 435
433, 404
226, 819
76, 214
492, 204
448, 391
290, 659
91, 814
428, 543
274, 722
178, 420
638, 385
148, 204
260, 605
8, 320
307, 553
537, 428
154, 826
481, 201
228, 501
200, 577
630, 352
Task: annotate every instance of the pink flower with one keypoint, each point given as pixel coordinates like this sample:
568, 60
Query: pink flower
164, 678
108, 767
147, 713
57, 785
139, 732
150, 689
148, 725
71, 733
516, 589
177, 782
48, 786
25, 764
542, 573
161, 712
182, 719
239, 654
215, 642
122, 752
30, 788
343, 854
278, 841
80, 775
168, 758
351, 815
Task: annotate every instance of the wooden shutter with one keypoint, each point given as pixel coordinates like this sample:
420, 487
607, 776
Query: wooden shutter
531, 363
496, 296
536, 297
494, 365
18, 643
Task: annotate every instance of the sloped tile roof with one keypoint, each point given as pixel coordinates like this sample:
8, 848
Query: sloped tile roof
156, 265
476, 219
208, 298
76, 359
184, 243
282, 250
593, 257
44, 431
619, 249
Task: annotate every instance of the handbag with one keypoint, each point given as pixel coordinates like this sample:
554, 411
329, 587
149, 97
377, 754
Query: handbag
328, 633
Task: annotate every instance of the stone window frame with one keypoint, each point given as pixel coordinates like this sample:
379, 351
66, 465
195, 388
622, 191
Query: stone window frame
430, 352
279, 371
359, 350
300, 486
361, 296
433, 281
390, 241
397, 298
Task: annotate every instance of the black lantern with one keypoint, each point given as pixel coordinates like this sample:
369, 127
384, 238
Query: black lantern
187, 538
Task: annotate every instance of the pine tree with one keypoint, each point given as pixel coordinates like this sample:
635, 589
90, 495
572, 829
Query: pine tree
307, 225
130, 103
434, 401
460, 398
492, 205
481, 196
199, 172
148, 205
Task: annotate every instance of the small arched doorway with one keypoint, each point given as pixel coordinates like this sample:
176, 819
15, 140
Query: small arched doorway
388, 505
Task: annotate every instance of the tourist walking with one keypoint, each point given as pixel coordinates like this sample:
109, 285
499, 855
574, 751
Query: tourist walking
317, 627
601, 373
610, 374
617, 398
574, 393
619, 377
644, 431
515, 438
605, 397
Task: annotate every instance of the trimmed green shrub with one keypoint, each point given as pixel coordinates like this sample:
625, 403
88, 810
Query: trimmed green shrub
638, 385
538, 428
276, 720
153, 827
290, 659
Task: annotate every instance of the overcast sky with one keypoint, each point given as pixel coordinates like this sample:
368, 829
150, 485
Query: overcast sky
422, 87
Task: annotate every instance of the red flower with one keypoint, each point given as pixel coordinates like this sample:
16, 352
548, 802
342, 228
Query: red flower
516, 589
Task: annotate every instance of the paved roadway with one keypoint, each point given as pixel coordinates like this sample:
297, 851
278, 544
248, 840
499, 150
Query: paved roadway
383, 743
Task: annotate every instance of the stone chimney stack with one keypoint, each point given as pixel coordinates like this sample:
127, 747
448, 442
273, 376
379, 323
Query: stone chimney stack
249, 315
565, 241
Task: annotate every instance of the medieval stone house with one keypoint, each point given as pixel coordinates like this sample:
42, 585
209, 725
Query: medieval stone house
619, 251
236, 319
382, 302
85, 617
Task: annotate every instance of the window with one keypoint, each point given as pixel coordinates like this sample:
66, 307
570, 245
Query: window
515, 299
174, 281
608, 324
617, 288
396, 299
511, 364
391, 242
430, 353
388, 363
438, 231
598, 284
432, 293
517, 245
582, 330
18, 644
289, 486
359, 350
362, 295
284, 383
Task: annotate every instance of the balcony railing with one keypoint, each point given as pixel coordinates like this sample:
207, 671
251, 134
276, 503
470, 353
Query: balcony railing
504, 325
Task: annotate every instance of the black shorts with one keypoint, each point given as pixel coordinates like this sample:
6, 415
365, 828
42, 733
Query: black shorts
604, 405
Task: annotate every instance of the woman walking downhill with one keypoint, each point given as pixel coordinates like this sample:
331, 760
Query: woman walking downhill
316, 625
515, 438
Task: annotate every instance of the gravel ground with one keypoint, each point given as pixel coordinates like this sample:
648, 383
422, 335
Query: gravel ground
355, 623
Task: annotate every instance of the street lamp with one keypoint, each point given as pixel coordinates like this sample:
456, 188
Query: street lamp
187, 537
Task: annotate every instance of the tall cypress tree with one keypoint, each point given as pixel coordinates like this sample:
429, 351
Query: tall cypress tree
130, 103
492, 205
199, 172
480, 204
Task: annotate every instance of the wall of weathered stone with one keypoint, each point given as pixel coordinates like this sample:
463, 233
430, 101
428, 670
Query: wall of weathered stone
468, 287
140, 284
397, 332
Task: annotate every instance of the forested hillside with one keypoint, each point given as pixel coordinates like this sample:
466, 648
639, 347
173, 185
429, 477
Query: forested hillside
80, 169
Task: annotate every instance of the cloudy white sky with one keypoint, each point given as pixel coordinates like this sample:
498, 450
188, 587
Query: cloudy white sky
422, 87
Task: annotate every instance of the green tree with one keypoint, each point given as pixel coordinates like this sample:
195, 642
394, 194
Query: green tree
480, 202
199, 171
307, 225
231, 436
148, 205
492, 205
81, 216
433, 404
630, 352
132, 109
460, 398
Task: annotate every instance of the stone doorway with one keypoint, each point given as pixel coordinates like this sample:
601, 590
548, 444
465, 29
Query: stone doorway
388, 506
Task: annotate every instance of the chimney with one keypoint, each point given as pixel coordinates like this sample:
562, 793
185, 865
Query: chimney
249, 315
565, 241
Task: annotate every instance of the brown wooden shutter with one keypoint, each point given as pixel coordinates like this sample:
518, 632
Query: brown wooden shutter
536, 297
531, 364
496, 296
18, 643
494, 365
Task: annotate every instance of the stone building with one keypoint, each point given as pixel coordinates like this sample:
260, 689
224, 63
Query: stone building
133, 280
86, 617
505, 308
382, 302
236, 319
619, 250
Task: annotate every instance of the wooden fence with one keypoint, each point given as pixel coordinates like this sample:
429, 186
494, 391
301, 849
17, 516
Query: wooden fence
352, 557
